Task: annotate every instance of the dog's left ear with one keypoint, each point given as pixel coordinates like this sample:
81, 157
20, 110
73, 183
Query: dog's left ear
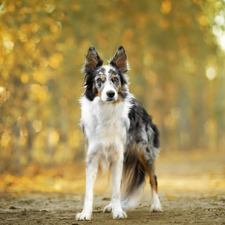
120, 60
92, 60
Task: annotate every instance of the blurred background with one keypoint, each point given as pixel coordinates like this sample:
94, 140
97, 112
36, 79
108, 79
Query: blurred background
176, 53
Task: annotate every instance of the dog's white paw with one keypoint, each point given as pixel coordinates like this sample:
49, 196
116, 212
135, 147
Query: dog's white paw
108, 208
119, 214
156, 207
83, 216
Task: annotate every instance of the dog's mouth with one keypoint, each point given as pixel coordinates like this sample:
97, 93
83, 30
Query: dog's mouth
110, 99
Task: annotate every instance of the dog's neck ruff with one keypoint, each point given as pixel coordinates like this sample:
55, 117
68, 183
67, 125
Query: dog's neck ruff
105, 123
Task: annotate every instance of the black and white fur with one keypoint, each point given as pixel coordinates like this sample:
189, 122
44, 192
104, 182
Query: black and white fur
119, 133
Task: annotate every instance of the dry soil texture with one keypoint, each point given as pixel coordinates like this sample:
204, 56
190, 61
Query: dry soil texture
61, 208
191, 190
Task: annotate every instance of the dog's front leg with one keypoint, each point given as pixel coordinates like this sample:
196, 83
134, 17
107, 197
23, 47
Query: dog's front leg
91, 174
116, 171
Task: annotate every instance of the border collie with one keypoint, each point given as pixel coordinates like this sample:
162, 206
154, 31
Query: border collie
119, 134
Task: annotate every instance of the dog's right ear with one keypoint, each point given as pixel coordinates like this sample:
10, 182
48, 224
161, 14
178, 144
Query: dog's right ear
92, 60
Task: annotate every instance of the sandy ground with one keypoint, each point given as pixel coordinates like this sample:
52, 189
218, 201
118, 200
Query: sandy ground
58, 208
191, 190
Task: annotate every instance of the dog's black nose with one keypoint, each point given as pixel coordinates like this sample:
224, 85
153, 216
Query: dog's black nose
110, 94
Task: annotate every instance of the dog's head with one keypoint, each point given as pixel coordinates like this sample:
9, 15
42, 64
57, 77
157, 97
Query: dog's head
106, 81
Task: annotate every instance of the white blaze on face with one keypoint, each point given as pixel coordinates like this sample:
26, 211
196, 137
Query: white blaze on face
109, 93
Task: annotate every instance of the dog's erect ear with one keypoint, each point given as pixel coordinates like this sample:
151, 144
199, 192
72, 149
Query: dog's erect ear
120, 60
92, 60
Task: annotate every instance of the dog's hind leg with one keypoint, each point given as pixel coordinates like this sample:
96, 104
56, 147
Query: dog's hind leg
156, 205
91, 174
108, 208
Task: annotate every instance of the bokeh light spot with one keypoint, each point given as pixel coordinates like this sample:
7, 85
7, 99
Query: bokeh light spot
53, 138
49, 8
24, 78
53, 62
166, 7
219, 20
210, 73
35, 88
37, 125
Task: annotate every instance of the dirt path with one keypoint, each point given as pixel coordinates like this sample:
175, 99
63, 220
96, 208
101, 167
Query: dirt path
59, 208
191, 190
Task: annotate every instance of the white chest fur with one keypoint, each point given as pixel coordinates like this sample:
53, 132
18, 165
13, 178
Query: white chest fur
104, 124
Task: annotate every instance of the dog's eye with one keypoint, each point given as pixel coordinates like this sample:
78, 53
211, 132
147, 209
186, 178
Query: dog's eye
99, 80
115, 79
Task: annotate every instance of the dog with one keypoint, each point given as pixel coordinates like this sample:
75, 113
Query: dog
119, 135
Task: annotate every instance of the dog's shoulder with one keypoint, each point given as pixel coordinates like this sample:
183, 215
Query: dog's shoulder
138, 114
141, 123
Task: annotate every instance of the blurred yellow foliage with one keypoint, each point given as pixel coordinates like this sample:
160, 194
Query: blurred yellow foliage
176, 54
166, 7
53, 137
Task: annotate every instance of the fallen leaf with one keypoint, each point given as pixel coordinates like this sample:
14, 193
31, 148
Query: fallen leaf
171, 196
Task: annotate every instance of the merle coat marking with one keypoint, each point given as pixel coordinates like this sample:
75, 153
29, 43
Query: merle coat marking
119, 133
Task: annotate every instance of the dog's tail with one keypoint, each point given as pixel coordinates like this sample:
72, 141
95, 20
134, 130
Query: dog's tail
155, 138
134, 171
133, 180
